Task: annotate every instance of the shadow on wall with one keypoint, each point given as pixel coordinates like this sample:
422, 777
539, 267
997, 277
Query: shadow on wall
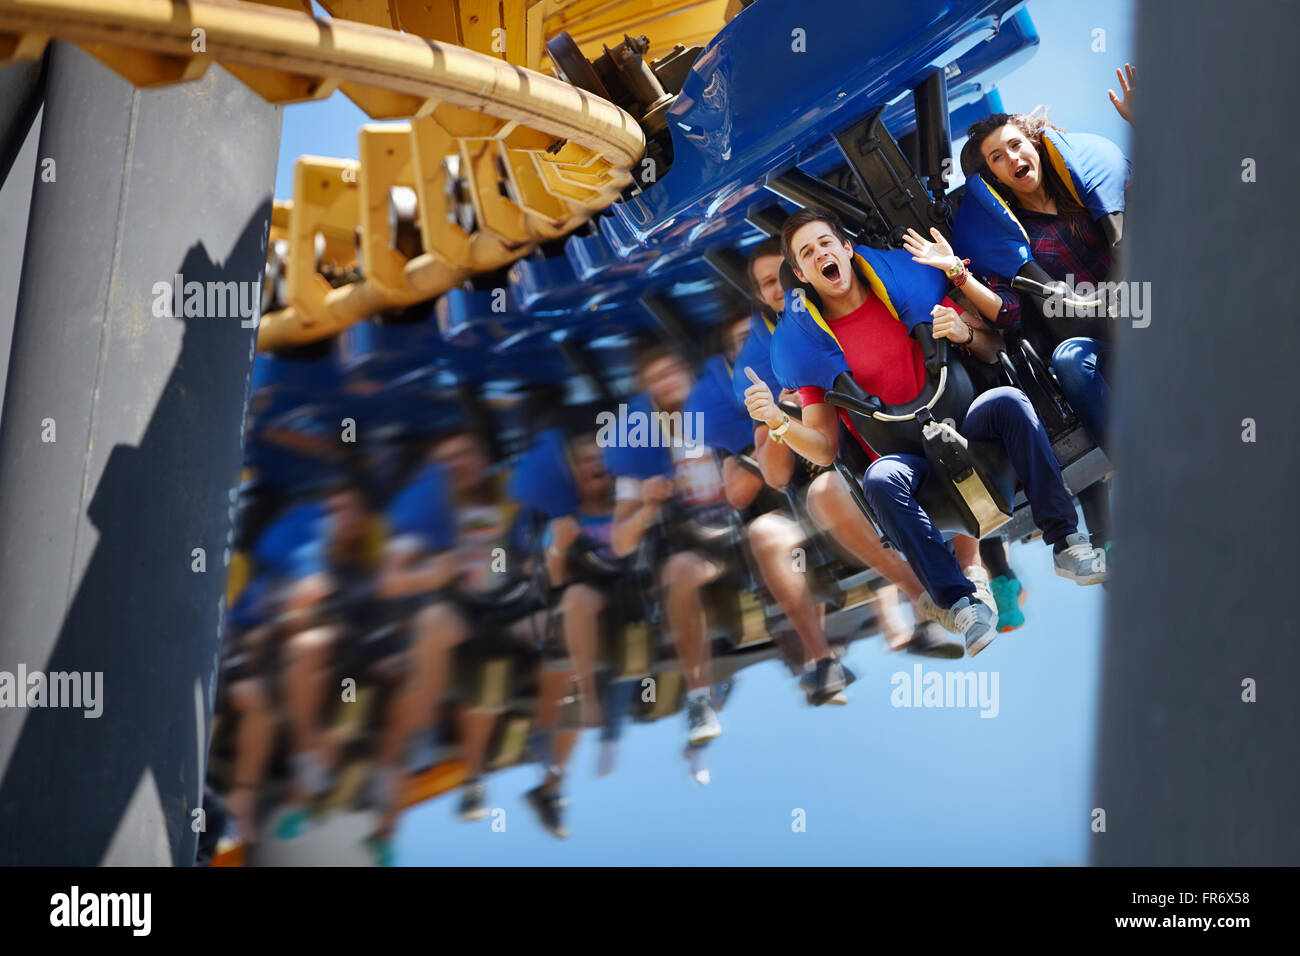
138, 617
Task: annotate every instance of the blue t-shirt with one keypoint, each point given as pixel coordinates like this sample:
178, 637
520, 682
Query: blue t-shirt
599, 528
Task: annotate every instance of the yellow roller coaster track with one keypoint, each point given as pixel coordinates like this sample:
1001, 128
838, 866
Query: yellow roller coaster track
531, 154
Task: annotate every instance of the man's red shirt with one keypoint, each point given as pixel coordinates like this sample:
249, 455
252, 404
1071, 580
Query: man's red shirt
884, 359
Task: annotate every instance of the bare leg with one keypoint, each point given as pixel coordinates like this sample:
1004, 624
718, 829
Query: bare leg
835, 512
891, 628
967, 551
565, 741
439, 628
684, 576
306, 674
476, 734
581, 605
550, 693
253, 742
772, 539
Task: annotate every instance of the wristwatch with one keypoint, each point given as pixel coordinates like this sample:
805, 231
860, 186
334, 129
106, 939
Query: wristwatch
956, 271
781, 429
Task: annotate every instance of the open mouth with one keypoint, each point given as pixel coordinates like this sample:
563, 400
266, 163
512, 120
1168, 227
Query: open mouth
831, 271
1023, 171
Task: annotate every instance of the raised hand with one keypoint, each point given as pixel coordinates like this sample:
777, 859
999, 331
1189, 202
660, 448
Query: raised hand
935, 253
758, 401
1128, 85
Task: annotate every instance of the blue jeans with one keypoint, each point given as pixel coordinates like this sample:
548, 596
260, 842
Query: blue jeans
891, 483
1077, 364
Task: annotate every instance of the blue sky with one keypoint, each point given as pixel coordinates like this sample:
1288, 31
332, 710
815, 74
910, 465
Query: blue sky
878, 784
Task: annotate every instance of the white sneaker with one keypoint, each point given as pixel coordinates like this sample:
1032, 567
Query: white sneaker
925, 609
1080, 561
699, 768
977, 576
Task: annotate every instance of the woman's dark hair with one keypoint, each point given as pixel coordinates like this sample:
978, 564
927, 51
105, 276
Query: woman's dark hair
1032, 126
803, 217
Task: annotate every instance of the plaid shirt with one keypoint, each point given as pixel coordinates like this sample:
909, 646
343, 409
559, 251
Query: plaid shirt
1081, 252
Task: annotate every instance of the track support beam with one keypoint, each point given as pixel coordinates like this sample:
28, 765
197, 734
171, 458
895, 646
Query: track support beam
120, 455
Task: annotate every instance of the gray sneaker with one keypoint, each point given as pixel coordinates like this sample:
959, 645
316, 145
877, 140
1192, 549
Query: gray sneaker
1080, 561
977, 623
929, 640
703, 720
808, 685
924, 608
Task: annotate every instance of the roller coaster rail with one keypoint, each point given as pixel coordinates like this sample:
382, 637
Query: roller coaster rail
561, 152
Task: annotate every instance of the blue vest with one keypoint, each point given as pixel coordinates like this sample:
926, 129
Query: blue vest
423, 509
804, 349
756, 353
638, 461
543, 478
726, 423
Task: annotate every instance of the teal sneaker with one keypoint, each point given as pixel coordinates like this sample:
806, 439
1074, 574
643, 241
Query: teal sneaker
380, 849
293, 825
1006, 592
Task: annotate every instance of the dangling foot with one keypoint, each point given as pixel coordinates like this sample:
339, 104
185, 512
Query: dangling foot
380, 848
473, 800
830, 678
925, 609
930, 640
1079, 561
311, 779
1009, 596
241, 804
977, 623
549, 808
703, 721
699, 770
293, 824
